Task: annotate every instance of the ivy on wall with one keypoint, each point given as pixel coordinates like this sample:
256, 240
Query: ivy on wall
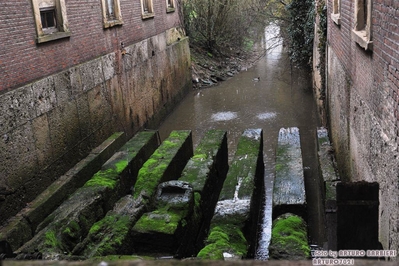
300, 31
321, 48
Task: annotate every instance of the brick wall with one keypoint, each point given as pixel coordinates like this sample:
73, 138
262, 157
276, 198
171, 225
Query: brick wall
22, 60
362, 93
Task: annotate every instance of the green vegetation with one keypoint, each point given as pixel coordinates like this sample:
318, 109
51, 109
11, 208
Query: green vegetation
118, 225
321, 48
162, 221
104, 178
289, 234
224, 238
71, 230
153, 169
51, 240
300, 31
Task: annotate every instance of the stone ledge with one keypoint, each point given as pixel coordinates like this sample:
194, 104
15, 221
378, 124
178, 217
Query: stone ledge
361, 38
336, 18
289, 184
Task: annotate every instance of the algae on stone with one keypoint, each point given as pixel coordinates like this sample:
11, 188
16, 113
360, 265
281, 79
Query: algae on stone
289, 183
206, 172
289, 238
70, 222
234, 223
111, 234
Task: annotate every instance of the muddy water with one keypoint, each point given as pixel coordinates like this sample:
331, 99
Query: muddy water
282, 97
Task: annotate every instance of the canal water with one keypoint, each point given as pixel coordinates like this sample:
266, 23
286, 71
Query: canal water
270, 95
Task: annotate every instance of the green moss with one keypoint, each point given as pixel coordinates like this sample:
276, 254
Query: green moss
71, 230
200, 156
149, 177
118, 224
162, 221
153, 169
51, 240
121, 166
112, 230
224, 238
290, 234
248, 146
104, 178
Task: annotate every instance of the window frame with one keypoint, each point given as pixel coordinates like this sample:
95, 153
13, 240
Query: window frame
336, 12
361, 32
108, 21
170, 7
60, 30
147, 14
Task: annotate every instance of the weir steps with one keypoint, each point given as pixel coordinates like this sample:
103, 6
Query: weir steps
105, 215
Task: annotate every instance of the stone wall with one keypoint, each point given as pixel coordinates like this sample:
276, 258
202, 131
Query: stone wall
363, 107
49, 124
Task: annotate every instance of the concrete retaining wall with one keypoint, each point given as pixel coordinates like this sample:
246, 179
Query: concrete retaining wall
51, 123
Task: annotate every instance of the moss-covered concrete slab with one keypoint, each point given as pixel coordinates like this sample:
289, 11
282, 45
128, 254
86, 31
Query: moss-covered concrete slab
111, 235
234, 224
179, 232
21, 228
289, 183
289, 238
160, 231
206, 172
69, 223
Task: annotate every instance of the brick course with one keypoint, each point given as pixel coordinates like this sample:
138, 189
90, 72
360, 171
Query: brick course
23, 61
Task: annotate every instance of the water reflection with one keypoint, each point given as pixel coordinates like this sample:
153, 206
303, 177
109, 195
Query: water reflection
282, 97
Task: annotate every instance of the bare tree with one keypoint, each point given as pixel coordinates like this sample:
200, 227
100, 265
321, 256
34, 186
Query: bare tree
226, 24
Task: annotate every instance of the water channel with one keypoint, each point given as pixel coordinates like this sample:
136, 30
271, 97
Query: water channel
282, 97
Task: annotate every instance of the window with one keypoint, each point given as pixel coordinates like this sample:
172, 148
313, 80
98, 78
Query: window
362, 31
170, 5
50, 19
336, 14
111, 13
147, 10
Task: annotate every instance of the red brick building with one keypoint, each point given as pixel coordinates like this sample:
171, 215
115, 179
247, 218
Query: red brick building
362, 100
72, 73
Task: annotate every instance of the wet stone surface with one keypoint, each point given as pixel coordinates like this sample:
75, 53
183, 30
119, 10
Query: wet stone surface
289, 184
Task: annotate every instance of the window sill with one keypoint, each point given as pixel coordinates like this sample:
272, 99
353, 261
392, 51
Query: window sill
170, 10
53, 36
147, 15
112, 23
336, 18
361, 38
